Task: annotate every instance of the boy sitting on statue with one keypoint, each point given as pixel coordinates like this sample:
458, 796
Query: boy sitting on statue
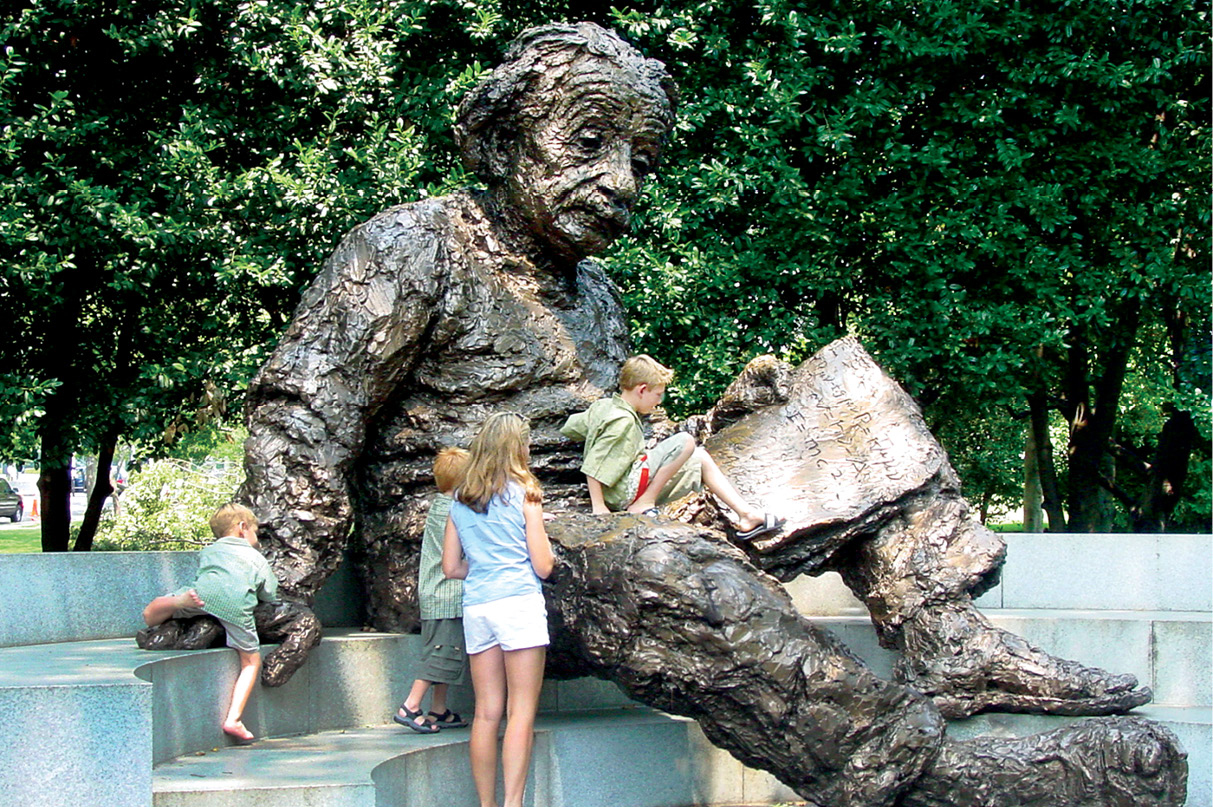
621, 475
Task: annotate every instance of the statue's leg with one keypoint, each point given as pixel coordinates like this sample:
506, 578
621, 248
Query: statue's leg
682, 621
1109, 762
386, 554
679, 619
292, 626
194, 633
913, 577
295, 629
866, 489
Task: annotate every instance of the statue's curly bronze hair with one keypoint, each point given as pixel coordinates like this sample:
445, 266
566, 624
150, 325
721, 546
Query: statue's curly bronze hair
487, 120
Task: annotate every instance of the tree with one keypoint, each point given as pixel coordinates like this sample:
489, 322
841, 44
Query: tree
1002, 200
1005, 202
169, 174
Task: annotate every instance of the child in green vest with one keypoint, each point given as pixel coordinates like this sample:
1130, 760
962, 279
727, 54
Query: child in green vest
233, 576
443, 660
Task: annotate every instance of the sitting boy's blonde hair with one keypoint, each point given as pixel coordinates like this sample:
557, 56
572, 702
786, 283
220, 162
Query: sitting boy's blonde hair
644, 369
228, 517
449, 468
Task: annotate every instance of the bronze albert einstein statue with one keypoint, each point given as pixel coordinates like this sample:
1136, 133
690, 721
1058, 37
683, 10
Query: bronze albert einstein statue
434, 314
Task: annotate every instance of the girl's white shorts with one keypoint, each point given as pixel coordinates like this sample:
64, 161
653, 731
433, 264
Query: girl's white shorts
515, 623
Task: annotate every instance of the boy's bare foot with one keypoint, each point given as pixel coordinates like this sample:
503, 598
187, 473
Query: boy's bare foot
749, 521
237, 731
190, 599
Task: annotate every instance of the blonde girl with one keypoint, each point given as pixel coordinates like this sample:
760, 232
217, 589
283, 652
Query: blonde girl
496, 543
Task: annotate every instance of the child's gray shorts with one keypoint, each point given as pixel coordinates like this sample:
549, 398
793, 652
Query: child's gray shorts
238, 636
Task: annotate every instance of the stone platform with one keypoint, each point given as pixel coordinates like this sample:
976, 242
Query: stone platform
98, 722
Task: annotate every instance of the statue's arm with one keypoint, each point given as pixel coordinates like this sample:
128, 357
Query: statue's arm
355, 336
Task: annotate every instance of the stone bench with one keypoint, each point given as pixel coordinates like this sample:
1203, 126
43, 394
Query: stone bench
143, 728
99, 722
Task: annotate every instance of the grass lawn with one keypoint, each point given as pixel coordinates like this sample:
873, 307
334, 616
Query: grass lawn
21, 539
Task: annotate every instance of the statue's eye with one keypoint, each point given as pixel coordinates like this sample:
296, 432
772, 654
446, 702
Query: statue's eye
590, 141
642, 163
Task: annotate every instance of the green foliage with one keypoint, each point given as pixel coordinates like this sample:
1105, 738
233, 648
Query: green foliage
986, 449
215, 445
995, 198
173, 172
168, 505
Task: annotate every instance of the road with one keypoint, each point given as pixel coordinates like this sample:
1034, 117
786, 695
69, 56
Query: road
79, 502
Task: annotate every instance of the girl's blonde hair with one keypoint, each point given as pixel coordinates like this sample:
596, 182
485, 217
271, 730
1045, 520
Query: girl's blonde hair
499, 454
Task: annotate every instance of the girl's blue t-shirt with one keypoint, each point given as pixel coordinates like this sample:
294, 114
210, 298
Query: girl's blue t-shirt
494, 544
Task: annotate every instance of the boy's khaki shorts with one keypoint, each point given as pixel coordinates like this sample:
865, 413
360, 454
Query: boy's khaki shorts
443, 660
687, 480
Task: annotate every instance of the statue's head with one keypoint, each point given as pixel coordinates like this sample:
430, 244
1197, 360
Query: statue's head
565, 130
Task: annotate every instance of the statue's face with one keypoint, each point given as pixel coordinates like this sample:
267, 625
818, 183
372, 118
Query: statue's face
594, 133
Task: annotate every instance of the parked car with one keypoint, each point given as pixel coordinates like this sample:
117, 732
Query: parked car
11, 505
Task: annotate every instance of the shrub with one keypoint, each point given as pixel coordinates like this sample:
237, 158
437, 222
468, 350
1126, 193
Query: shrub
167, 505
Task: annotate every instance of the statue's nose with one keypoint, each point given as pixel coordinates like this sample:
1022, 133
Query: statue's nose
620, 182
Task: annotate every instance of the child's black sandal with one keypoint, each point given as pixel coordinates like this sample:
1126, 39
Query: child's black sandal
412, 721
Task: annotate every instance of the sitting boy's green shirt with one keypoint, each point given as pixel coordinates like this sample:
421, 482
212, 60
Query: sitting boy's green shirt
232, 578
614, 441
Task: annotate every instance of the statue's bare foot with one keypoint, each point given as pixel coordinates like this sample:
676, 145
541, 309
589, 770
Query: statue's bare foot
952, 653
1111, 762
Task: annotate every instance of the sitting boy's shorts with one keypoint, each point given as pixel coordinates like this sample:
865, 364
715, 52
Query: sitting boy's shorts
238, 636
515, 623
443, 660
687, 480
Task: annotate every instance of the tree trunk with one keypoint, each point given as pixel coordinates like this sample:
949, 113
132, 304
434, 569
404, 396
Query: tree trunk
1093, 419
1050, 491
1169, 470
1033, 515
55, 482
55, 490
1168, 473
98, 493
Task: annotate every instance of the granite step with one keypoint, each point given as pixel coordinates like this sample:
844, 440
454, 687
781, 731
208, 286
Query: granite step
586, 759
